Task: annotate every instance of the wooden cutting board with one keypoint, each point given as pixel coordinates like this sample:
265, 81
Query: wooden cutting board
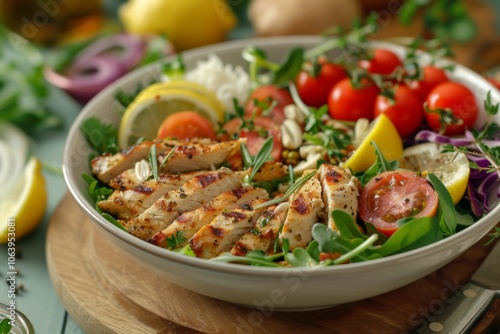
106, 291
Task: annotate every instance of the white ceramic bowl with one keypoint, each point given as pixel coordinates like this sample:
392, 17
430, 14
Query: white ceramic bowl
284, 288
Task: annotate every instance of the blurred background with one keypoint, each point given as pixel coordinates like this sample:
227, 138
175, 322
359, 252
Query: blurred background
472, 27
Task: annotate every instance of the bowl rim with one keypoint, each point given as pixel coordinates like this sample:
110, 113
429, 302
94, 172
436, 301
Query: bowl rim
477, 230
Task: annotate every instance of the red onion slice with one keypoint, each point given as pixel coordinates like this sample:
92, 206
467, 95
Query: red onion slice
434, 137
86, 80
128, 50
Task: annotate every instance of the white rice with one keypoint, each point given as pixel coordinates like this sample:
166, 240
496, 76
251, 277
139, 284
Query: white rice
226, 80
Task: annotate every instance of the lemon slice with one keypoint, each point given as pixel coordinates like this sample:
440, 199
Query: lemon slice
22, 209
383, 133
160, 87
451, 168
143, 117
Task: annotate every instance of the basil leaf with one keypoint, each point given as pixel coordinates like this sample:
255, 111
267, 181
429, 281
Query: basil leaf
446, 209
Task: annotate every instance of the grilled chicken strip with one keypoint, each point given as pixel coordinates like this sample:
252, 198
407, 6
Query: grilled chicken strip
190, 222
340, 191
225, 230
196, 192
306, 209
263, 232
187, 157
128, 204
126, 180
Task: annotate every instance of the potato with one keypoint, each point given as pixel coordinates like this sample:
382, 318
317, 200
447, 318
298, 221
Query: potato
301, 17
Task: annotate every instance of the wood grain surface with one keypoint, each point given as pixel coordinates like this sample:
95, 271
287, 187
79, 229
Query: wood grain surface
107, 291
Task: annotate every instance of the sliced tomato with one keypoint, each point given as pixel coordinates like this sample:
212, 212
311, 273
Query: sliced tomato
269, 95
391, 196
406, 111
459, 100
186, 125
348, 103
383, 62
314, 90
264, 127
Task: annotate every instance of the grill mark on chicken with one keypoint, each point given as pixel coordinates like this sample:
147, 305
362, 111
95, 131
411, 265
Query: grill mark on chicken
225, 230
188, 156
340, 191
190, 222
301, 206
144, 189
190, 196
306, 209
128, 204
262, 234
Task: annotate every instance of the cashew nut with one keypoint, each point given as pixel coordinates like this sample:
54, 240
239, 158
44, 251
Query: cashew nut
294, 113
292, 134
310, 163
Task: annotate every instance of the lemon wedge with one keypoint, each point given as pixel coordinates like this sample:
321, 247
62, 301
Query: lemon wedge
384, 134
451, 168
23, 207
145, 114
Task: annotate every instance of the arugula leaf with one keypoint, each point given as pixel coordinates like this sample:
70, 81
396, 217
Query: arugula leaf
102, 137
414, 234
346, 225
300, 258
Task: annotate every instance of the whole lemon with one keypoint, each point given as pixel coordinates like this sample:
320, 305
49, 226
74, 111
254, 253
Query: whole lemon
186, 23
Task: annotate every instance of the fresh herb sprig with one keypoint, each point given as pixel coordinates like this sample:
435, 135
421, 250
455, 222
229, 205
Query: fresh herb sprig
255, 162
335, 141
102, 137
263, 71
24, 93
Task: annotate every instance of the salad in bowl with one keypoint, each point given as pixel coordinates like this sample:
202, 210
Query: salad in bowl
235, 168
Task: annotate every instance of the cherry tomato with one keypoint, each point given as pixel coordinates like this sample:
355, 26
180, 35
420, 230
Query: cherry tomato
456, 98
383, 62
186, 125
267, 94
432, 76
314, 90
391, 196
264, 127
406, 111
348, 103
